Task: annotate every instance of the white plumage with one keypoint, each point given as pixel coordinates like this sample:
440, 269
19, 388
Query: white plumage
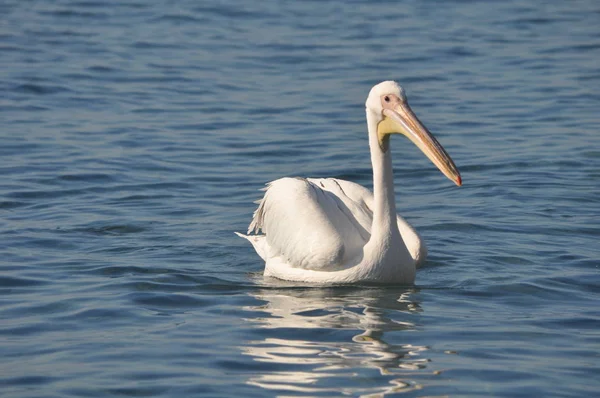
335, 231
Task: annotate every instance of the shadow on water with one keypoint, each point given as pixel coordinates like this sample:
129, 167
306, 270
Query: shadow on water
316, 341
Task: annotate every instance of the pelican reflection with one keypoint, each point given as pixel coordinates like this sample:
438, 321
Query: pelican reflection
332, 340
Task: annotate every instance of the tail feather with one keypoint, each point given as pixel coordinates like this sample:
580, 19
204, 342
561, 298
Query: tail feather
259, 242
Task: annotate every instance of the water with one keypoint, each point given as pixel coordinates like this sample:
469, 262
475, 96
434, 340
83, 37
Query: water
135, 136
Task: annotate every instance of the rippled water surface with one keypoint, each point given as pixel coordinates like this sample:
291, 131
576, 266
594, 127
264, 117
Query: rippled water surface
135, 136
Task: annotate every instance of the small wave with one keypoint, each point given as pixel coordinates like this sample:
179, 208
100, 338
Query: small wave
13, 282
39, 89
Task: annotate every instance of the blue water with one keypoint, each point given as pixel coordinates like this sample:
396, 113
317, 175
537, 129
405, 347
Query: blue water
135, 135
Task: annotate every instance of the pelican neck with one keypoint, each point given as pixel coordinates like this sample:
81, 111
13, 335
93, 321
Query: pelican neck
384, 211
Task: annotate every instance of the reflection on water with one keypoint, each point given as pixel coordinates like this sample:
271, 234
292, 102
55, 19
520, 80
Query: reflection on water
331, 336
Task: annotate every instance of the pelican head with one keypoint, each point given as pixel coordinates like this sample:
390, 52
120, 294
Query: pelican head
387, 103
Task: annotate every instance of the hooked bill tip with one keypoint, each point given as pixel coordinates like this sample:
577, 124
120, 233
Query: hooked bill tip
458, 181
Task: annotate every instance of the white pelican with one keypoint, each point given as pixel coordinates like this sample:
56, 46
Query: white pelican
325, 230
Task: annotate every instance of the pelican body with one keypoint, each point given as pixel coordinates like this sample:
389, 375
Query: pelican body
331, 231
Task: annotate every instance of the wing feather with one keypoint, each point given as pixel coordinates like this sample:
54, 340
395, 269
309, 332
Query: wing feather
308, 226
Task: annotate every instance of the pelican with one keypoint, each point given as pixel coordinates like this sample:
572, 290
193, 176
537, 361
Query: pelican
331, 231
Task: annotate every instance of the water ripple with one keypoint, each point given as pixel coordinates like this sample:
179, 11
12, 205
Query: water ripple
136, 137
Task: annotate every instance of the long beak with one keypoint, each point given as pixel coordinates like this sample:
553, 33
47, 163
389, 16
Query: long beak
402, 120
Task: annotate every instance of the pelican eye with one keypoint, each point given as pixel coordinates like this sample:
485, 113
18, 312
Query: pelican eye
387, 98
